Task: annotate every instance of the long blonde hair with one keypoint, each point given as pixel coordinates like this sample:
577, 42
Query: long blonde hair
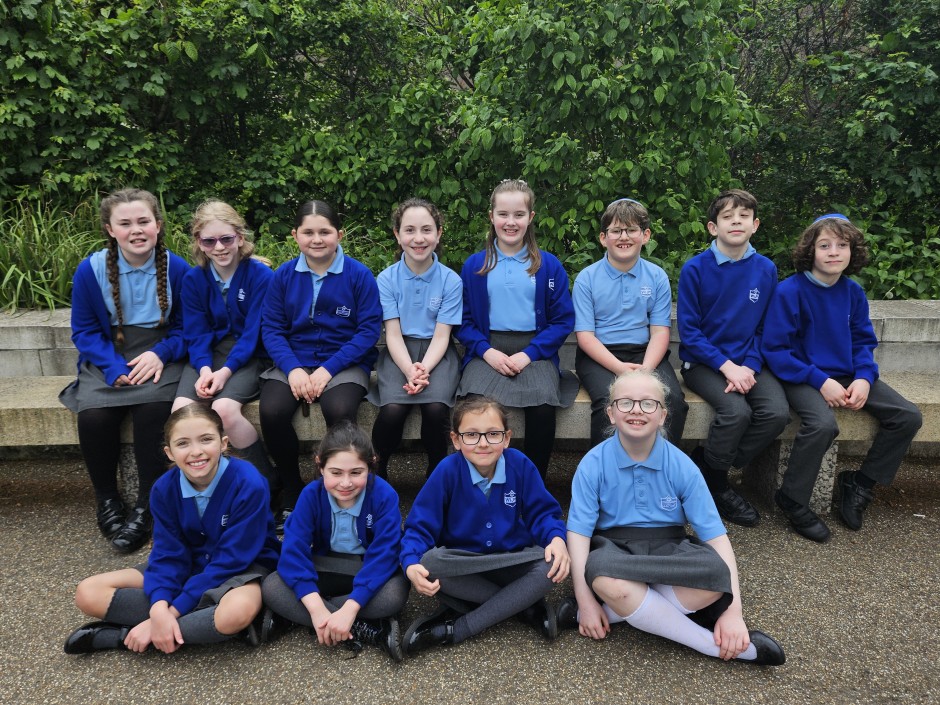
219, 210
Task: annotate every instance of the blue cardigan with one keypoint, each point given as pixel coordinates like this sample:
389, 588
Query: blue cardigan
812, 333
209, 317
554, 312
307, 534
345, 326
91, 322
721, 309
191, 554
451, 512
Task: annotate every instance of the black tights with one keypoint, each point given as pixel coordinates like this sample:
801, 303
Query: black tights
99, 435
539, 435
277, 414
390, 425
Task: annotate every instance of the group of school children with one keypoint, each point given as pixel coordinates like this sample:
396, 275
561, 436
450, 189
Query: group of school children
484, 536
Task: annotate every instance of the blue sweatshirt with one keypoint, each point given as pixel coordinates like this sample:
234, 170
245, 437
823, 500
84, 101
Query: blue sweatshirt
209, 317
191, 554
812, 332
343, 330
721, 309
451, 512
91, 321
307, 534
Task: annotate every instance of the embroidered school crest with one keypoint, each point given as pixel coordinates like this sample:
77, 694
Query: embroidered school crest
753, 295
241, 294
224, 519
668, 504
551, 284
368, 521
509, 499
435, 303
646, 291
343, 311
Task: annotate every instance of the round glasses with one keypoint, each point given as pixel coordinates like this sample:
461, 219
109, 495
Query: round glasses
208, 243
647, 406
617, 233
471, 438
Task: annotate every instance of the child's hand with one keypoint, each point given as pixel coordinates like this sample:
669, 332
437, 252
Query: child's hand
556, 553
138, 638
740, 378
858, 394
319, 378
320, 618
340, 622
164, 629
592, 621
521, 361
417, 378
501, 362
122, 381
418, 575
217, 381
300, 387
834, 393
731, 634
145, 366
629, 367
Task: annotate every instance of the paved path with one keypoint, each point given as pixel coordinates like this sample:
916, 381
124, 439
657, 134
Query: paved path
859, 619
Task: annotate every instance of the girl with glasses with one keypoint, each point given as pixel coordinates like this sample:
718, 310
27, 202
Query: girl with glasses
480, 533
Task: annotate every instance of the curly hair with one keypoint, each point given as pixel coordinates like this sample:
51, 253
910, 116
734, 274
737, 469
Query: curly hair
409, 203
804, 252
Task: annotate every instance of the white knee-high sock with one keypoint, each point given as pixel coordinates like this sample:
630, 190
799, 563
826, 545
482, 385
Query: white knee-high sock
657, 616
612, 616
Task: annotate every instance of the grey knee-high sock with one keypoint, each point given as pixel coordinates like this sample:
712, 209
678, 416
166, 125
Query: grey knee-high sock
198, 627
129, 606
510, 600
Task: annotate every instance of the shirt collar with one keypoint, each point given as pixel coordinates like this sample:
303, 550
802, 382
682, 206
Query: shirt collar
722, 258
521, 256
615, 273
148, 267
335, 268
499, 475
189, 491
353, 510
817, 282
218, 278
425, 276
653, 462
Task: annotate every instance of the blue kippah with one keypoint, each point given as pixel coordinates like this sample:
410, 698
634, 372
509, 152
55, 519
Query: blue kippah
628, 200
833, 216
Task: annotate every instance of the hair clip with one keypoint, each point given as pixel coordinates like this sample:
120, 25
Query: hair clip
833, 216
628, 200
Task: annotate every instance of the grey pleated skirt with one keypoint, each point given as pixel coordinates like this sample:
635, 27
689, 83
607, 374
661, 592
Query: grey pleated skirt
388, 388
539, 383
354, 375
213, 596
91, 391
242, 387
452, 562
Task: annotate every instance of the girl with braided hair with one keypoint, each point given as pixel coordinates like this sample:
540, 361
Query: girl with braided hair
127, 326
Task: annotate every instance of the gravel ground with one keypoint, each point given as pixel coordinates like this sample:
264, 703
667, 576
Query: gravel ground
858, 618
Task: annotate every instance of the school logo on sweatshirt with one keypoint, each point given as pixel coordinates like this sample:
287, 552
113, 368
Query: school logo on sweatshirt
753, 295
241, 294
646, 291
343, 311
551, 284
509, 499
668, 504
368, 521
224, 519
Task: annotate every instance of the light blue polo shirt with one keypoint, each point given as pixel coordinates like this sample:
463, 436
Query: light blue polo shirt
336, 267
511, 290
619, 307
202, 498
722, 258
484, 484
138, 285
343, 535
223, 284
610, 490
421, 301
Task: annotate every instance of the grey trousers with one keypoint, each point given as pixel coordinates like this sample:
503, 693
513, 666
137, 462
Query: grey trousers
898, 419
744, 424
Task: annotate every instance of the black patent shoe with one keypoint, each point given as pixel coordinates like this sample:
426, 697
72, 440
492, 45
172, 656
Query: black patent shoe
435, 629
769, 651
96, 636
111, 516
270, 625
804, 520
135, 532
566, 615
734, 508
542, 618
280, 518
853, 500
383, 633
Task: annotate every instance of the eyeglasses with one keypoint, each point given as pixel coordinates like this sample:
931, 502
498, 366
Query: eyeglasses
208, 243
617, 233
647, 406
471, 438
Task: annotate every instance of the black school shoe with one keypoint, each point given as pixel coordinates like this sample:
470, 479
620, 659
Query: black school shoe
853, 500
734, 508
769, 651
566, 615
435, 629
111, 515
280, 518
135, 532
383, 633
96, 636
804, 520
542, 618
